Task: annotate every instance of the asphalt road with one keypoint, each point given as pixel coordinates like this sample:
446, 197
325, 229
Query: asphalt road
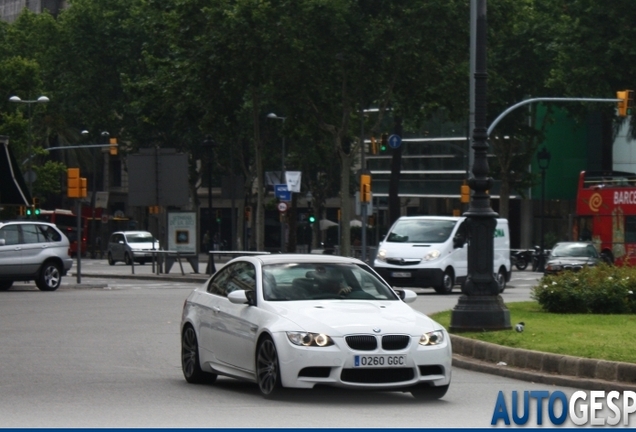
105, 353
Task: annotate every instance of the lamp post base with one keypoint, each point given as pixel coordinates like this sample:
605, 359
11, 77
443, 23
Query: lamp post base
480, 313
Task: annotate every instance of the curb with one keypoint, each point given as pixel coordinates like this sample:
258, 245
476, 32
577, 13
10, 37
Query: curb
540, 367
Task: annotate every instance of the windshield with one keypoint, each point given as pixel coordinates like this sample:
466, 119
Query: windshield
306, 281
421, 231
574, 250
139, 238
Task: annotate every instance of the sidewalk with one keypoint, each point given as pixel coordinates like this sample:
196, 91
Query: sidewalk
521, 364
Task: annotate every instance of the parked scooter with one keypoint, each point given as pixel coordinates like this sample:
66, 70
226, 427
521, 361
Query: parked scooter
521, 258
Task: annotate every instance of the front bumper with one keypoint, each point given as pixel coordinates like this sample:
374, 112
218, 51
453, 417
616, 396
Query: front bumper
305, 367
411, 277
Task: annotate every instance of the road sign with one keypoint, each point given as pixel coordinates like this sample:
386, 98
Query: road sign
282, 193
395, 141
282, 207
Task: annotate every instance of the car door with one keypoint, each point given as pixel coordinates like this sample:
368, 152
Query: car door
10, 250
34, 245
233, 327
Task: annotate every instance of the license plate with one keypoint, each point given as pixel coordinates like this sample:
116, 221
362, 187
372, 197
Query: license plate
401, 274
376, 361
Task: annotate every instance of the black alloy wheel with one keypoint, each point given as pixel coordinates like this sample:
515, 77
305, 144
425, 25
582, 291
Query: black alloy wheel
268, 368
190, 359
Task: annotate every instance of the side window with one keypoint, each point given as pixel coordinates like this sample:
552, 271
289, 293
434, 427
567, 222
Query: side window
10, 235
50, 234
238, 276
30, 234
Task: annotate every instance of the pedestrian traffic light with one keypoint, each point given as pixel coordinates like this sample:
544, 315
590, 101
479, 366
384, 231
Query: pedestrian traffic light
371, 220
83, 187
73, 182
384, 142
113, 147
311, 218
248, 213
218, 215
465, 194
374, 146
365, 188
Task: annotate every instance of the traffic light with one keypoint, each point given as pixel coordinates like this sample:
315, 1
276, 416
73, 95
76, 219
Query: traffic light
626, 104
365, 188
113, 147
339, 215
311, 218
465, 194
22, 211
36, 206
83, 187
73, 182
154, 209
371, 220
384, 142
374, 146
218, 215
248, 213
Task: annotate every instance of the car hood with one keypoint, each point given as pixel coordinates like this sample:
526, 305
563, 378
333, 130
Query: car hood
340, 317
572, 261
143, 246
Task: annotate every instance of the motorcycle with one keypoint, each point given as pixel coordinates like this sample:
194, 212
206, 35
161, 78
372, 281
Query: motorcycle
521, 258
536, 255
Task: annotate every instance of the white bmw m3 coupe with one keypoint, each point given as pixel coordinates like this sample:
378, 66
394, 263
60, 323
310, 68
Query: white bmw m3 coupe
297, 321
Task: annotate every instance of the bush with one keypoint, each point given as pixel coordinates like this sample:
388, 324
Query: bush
603, 289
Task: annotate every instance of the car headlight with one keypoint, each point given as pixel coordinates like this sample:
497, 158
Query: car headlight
434, 254
432, 338
309, 339
381, 255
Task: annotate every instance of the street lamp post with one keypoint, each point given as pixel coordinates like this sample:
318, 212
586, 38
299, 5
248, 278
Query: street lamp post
209, 144
41, 99
282, 178
543, 158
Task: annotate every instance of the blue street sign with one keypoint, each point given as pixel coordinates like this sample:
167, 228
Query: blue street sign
395, 141
281, 192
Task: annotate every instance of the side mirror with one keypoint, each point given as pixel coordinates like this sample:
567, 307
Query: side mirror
240, 297
407, 296
458, 242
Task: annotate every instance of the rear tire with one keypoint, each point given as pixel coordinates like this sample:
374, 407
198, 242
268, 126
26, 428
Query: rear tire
50, 277
5, 285
448, 281
521, 263
127, 259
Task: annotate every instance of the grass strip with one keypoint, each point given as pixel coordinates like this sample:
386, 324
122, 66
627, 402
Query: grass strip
602, 337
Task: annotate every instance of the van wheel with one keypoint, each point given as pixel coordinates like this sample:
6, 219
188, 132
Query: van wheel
446, 287
501, 280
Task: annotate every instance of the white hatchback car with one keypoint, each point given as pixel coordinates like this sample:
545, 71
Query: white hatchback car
31, 250
128, 245
304, 320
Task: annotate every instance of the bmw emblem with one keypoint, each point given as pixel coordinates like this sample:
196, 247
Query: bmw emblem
377, 330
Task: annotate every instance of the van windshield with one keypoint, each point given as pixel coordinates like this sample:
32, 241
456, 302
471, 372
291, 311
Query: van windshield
421, 231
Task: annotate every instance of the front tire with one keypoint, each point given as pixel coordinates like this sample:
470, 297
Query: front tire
50, 277
268, 368
190, 359
5, 285
425, 392
111, 261
521, 263
501, 280
127, 259
446, 286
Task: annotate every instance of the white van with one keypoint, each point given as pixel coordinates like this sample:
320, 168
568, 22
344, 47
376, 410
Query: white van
431, 251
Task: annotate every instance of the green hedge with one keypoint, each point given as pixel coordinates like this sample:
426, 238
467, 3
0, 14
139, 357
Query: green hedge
602, 289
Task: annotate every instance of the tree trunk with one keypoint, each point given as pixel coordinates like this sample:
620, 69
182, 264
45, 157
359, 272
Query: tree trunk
345, 201
260, 190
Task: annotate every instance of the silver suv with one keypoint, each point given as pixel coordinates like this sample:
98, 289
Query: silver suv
31, 250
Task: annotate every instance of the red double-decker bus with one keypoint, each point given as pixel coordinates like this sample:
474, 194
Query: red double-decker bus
66, 221
606, 214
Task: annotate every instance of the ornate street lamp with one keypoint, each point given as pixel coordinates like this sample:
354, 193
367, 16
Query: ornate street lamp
543, 159
480, 307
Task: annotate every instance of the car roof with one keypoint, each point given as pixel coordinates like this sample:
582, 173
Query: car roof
581, 243
18, 222
132, 232
305, 258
